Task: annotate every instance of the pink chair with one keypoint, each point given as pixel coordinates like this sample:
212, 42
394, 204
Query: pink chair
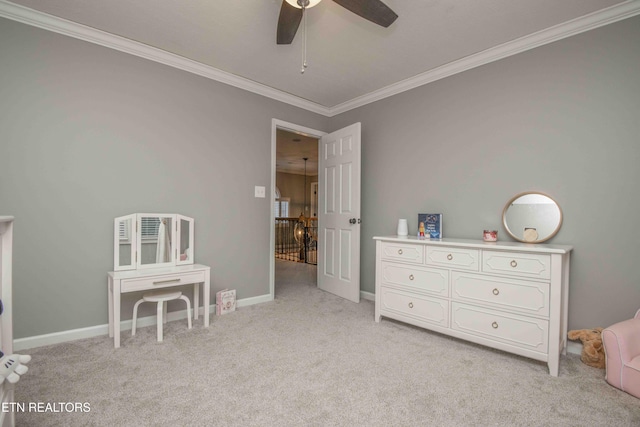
622, 349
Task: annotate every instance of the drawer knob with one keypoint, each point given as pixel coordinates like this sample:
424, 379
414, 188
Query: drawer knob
496, 291
411, 277
410, 305
449, 257
399, 251
494, 325
513, 263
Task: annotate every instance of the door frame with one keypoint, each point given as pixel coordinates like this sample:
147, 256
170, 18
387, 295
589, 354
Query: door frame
302, 130
314, 199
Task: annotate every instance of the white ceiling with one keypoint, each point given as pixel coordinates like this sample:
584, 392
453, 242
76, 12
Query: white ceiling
351, 60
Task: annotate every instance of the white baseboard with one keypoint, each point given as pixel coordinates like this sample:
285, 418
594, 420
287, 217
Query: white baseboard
98, 330
574, 347
251, 301
368, 296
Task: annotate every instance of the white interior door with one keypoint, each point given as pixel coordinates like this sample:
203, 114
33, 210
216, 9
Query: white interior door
339, 213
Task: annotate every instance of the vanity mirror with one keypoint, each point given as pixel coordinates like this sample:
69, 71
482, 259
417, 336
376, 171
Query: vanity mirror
152, 240
532, 217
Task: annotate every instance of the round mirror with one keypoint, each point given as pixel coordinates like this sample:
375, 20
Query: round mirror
532, 217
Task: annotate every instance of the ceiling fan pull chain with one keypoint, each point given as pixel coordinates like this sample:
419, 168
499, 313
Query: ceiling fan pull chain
304, 37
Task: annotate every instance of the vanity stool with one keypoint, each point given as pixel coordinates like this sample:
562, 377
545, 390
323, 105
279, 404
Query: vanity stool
160, 297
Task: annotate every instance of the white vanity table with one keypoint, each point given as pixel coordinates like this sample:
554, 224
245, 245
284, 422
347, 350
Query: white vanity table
506, 295
120, 282
154, 251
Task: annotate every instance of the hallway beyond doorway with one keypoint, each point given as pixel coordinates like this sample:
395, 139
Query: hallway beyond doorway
289, 273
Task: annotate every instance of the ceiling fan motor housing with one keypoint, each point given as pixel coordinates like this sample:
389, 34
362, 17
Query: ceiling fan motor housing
300, 3
292, 10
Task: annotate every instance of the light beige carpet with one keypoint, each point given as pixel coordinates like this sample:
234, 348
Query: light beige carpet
310, 358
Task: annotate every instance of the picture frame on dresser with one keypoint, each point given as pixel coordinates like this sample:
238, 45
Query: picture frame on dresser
505, 295
429, 226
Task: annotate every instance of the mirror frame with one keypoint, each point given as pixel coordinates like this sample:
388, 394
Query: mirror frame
516, 197
132, 241
140, 265
178, 238
135, 263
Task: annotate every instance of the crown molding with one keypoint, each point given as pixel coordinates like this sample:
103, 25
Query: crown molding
585, 23
48, 22
558, 32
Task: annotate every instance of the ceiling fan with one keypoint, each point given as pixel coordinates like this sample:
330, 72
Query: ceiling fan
292, 11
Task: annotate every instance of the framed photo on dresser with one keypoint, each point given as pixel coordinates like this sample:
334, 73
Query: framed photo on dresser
429, 226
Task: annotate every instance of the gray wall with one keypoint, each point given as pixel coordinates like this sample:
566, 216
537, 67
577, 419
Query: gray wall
89, 134
563, 119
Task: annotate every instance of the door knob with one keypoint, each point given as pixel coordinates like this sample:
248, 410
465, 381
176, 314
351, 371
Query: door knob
352, 221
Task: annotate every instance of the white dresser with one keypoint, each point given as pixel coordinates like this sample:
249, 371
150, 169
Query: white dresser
505, 295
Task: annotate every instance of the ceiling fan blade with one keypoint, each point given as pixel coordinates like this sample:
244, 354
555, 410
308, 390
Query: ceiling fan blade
372, 10
288, 23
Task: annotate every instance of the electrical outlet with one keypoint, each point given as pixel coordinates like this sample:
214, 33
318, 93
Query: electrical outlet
260, 191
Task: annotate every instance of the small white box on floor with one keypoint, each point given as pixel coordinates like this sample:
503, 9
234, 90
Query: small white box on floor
225, 301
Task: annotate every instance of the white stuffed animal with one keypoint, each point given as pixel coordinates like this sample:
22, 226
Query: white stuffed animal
12, 366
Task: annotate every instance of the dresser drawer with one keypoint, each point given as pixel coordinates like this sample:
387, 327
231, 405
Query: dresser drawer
396, 303
519, 331
466, 259
521, 264
417, 279
403, 252
509, 294
162, 281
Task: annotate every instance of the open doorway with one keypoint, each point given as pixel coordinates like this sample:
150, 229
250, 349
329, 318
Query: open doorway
294, 194
339, 179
